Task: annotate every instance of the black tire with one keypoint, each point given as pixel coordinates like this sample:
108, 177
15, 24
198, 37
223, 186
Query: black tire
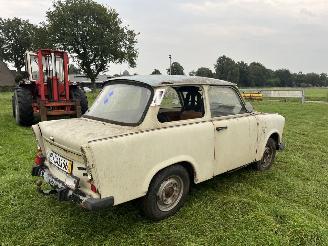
23, 110
13, 105
173, 181
268, 156
77, 93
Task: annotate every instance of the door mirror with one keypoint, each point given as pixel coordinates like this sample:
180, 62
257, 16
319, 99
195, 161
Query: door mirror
249, 107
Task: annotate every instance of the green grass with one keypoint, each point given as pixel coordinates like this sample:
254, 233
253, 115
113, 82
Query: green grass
286, 205
316, 94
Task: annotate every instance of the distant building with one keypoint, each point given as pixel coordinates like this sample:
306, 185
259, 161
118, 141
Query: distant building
7, 77
85, 81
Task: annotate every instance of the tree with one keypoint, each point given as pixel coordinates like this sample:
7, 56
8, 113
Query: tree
204, 72
284, 76
156, 71
226, 69
300, 79
42, 38
93, 34
73, 69
312, 79
243, 73
15, 39
176, 69
258, 74
2, 42
323, 79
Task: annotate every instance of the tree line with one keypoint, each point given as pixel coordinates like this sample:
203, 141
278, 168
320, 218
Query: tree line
94, 36
92, 33
254, 74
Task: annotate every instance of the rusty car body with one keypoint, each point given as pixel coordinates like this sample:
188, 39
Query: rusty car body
150, 137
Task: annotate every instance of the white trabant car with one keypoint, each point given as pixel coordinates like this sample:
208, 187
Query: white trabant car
150, 137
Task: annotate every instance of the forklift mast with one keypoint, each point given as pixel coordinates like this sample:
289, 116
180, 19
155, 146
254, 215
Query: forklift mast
48, 69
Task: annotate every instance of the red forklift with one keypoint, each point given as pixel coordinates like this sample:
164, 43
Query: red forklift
44, 89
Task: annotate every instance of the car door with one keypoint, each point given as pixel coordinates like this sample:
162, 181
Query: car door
235, 130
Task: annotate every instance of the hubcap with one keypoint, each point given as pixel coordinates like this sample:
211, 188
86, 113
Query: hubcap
267, 157
169, 193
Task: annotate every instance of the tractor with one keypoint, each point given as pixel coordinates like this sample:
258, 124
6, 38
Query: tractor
44, 89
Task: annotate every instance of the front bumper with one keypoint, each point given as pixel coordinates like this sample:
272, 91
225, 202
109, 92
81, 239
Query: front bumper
65, 193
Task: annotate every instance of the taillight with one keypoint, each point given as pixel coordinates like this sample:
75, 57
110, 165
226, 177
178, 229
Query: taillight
39, 158
93, 188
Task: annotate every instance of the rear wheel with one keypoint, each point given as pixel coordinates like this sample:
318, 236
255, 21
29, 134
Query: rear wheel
268, 156
167, 193
78, 94
22, 103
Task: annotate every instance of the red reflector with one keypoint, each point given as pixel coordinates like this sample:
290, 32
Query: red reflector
93, 188
38, 160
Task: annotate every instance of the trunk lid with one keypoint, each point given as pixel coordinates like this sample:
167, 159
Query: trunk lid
74, 133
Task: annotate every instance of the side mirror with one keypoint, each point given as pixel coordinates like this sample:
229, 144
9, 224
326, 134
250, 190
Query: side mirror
249, 107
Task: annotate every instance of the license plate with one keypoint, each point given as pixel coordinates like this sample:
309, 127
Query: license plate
60, 162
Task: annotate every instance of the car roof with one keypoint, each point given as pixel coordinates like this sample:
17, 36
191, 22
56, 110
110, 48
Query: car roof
160, 80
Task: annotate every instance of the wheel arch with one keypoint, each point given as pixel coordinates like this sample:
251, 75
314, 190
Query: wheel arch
187, 164
276, 137
274, 134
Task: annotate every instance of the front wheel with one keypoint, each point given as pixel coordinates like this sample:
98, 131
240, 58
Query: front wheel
268, 156
167, 193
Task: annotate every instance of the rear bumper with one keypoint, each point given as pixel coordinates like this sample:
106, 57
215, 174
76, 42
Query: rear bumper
95, 204
65, 193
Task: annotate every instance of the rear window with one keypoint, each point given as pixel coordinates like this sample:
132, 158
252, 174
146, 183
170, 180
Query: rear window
121, 103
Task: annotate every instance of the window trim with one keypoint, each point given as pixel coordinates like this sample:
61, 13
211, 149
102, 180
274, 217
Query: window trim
241, 100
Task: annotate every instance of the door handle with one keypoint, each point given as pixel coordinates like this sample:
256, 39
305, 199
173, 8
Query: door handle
220, 128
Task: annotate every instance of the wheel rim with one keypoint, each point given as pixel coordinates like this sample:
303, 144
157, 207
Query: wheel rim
267, 157
169, 193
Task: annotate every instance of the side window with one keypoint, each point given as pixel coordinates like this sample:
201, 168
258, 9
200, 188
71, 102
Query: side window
171, 99
181, 103
224, 101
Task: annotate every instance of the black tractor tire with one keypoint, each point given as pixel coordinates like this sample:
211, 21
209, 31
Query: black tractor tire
77, 93
173, 182
13, 105
23, 110
268, 156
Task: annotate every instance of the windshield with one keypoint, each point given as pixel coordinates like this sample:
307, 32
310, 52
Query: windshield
121, 103
34, 67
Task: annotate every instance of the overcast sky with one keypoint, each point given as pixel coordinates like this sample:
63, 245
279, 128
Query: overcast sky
278, 33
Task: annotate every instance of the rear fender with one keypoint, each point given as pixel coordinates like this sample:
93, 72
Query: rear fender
90, 164
160, 166
38, 135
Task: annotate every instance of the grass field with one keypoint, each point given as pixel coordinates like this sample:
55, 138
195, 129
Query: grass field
316, 94
286, 205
